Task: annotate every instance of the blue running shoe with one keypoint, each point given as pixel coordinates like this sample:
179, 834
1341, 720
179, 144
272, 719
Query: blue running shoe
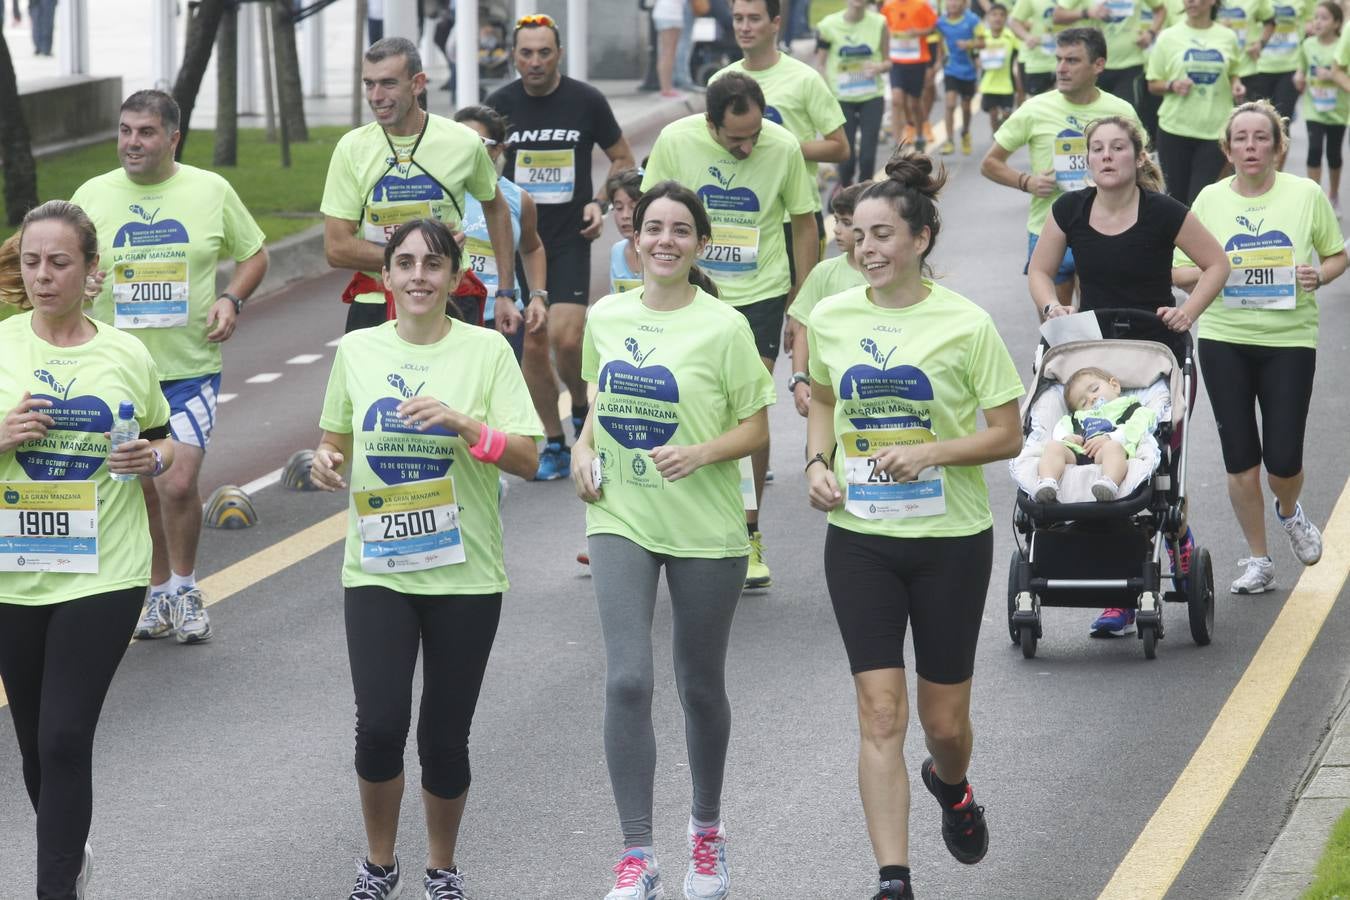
1113, 623
555, 461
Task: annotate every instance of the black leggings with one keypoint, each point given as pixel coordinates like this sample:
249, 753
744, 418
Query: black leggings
1333, 136
456, 632
57, 662
864, 118
1280, 379
1277, 87
1188, 164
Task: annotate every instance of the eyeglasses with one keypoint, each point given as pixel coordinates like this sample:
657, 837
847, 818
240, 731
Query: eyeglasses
534, 20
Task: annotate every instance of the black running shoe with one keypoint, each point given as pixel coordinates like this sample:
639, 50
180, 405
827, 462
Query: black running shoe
895, 889
963, 828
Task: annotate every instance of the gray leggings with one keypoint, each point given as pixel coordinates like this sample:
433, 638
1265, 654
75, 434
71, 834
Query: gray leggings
703, 596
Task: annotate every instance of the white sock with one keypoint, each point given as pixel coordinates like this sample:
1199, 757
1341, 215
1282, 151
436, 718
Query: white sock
178, 582
696, 825
160, 588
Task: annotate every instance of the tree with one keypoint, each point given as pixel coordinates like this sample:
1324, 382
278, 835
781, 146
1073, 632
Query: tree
16, 146
203, 21
290, 96
227, 87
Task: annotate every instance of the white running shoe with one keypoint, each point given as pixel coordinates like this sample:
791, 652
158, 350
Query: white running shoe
707, 877
190, 622
1258, 577
1046, 491
375, 883
637, 878
1304, 538
1104, 489
154, 621
86, 873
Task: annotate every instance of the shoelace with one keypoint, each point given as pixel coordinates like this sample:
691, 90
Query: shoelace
447, 884
630, 870
188, 608
1113, 613
968, 809
1250, 562
369, 886
706, 850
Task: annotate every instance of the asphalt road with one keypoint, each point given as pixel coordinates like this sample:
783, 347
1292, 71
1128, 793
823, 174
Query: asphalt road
224, 770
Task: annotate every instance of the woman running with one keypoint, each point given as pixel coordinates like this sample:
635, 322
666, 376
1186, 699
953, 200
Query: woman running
898, 370
75, 538
682, 397
1258, 347
1194, 67
427, 409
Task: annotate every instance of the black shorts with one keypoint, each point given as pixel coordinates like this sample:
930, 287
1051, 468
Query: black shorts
569, 274
1238, 377
1038, 82
364, 315
908, 77
787, 240
965, 87
1277, 87
990, 102
766, 324
878, 585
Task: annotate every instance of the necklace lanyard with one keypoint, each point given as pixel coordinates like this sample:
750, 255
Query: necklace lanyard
393, 162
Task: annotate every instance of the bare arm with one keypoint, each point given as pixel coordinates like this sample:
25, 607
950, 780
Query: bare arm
521, 456
535, 261
498, 216
822, 487
334, 449
831, 148
676, 461
344, 249
1211, 266
1045, 262
593, 216
1021, 29
222, 318
995, 167
805, 247
1000, 439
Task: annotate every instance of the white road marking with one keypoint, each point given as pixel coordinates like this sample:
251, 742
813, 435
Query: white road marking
304, 359
225, 398
258, 484
264, 378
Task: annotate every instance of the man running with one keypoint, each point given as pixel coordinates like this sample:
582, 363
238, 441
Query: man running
162, 229
1051, 125
553, 125
748, 173
408, 164
1127, 37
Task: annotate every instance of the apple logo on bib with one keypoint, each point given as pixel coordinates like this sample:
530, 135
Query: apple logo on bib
392, 189
723, 197
884, 396
75, 447
638, 409
1257, 238
395, 450
148, 232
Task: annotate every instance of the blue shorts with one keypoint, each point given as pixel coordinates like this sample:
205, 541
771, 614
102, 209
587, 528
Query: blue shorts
192, 408
1066, 266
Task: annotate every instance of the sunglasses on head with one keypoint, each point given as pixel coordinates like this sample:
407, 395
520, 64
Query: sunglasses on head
535, 19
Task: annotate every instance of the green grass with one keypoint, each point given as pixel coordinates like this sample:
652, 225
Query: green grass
1333, 871
283, 201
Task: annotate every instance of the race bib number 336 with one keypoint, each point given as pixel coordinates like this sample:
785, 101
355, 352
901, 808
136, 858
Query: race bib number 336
409, 527
49, 526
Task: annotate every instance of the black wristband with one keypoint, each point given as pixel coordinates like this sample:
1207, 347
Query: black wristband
818, 458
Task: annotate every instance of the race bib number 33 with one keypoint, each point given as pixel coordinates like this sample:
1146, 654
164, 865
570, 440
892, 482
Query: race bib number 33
872, 494
1071, 162
49, 526
409, 527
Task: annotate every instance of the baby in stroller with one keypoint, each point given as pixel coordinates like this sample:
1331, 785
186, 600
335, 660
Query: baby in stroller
1103, 428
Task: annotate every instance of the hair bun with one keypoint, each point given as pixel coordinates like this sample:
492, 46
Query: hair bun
912, 169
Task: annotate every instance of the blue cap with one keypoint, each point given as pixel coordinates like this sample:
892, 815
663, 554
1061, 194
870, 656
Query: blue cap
127, 410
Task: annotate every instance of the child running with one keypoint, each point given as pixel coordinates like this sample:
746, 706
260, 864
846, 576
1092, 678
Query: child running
998, 46
958, 70
1326, 107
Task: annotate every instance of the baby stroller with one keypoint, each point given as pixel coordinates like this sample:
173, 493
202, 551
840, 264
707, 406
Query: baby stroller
1086, 553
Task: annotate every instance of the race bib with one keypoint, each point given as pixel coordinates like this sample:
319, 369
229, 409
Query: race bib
549, 175
626, 284
993, 58
1261, 279
733, 250
852, 81
1119, 9
1049, 42
871, 494
1071, 162
383, 219
409, 527
1283, 42
150, 294
906, 48
1323, 97
49, 526
479, 258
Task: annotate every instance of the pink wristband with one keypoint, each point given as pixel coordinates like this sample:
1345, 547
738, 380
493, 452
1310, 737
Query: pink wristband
491, 445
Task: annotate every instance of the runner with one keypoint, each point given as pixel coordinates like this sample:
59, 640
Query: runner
1278, 60
625, 269
959, 74
1033, 21
1258, 347
828, 278
71, 593
998, 48
163, 227
491, 128
747, 172
910, 534
1194, 69
1252, 23
428, 410
553, 125
1051, 125
405, 165
851, 53
1326, 107
668, 497
911, 22
1127, 39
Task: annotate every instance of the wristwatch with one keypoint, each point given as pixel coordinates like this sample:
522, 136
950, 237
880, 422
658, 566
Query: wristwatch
508, 293
604, 206
238, 304
797, 378
540, 293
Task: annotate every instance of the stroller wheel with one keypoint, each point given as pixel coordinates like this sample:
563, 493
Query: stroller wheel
1028, 640
1012, 597
1200, 598
1149, 634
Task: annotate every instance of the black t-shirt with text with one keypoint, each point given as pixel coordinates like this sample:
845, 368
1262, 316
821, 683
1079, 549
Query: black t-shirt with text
549, 141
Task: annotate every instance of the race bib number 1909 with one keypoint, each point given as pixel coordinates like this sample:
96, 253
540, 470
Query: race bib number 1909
49, 526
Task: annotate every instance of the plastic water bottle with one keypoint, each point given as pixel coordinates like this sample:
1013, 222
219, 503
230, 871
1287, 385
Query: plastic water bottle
126, 428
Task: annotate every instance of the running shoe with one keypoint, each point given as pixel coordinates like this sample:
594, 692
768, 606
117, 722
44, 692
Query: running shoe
584, 557
1104, 489
757, 573
86, 873
947, 148
444, 884
1304, 538
1181, 563
928, 132
1257, 578
637, 877
963, 827
190, 623
907, 135
376, 882
555, 461
1114, 622
707, 877
895, 889
154, 621
965, 144
1047, 491
768, 476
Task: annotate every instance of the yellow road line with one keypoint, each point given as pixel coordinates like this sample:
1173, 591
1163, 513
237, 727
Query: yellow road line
265, 563
1169, 838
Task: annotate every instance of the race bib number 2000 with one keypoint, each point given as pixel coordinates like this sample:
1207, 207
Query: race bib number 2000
150, 294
